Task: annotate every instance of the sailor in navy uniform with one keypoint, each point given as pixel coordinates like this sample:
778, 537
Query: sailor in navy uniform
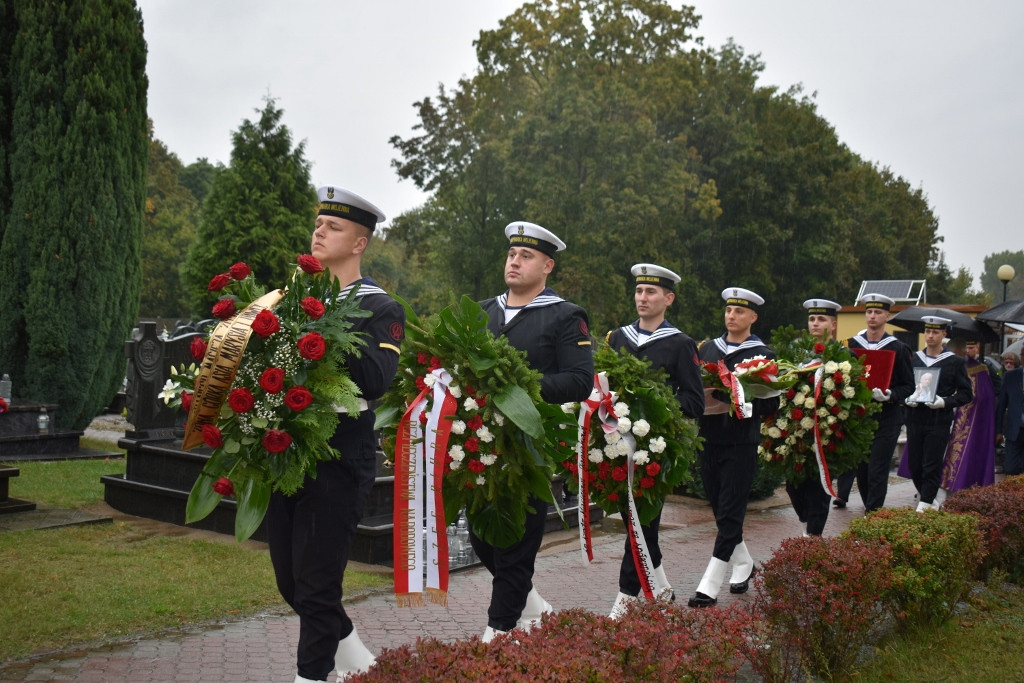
873, 476
311, 532
928, 424
668, 348
729, 459
555, 335
810, 500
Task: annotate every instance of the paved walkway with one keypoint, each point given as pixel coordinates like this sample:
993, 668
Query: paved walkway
262, 648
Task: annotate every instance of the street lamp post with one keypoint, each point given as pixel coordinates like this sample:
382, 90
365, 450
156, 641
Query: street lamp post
1005, 274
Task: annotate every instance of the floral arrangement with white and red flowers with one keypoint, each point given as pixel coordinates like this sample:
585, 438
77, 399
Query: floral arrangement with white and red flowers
755, 377
823, 426
281, 408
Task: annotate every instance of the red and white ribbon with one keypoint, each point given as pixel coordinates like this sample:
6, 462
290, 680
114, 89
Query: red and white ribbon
650, 584
601, 401
819, 452
418, 502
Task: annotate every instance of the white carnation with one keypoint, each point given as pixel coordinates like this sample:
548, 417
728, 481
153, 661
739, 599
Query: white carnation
624, 425
488, 459
429, 380
470, 404
455, 391
595, 455
622, 447
611, 452
641, 458
480, 480
621, 409
456, 453
455, 465
657, 445
458, 427
498, 418
484, 434
641, 427
612, 437
569, 408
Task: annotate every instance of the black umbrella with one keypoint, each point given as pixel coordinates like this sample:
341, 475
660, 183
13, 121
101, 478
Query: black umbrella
1006, 312
962, 326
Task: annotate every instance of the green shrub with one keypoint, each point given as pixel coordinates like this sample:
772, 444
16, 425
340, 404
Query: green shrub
935, 555
1000, 511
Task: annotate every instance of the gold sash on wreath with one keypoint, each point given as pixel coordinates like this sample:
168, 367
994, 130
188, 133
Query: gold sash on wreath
220, 364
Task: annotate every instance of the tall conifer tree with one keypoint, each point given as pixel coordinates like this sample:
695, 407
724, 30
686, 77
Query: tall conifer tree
259, 210
76, 153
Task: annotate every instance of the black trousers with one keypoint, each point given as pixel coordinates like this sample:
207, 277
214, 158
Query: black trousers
927, 438
873, 475
629, 580
727, 471
811, 503
311, 534
512, 568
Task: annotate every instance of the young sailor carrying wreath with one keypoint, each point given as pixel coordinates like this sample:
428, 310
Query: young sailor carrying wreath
465, 428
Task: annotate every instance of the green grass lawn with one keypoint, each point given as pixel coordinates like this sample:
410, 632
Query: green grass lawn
77, 585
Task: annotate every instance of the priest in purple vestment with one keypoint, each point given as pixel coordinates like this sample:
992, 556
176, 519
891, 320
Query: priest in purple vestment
971, 453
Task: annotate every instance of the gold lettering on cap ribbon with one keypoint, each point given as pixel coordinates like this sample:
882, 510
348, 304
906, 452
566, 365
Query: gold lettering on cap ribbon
220, 364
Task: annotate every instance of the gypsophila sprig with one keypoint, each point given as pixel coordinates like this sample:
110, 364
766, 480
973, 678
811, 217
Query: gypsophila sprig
840, 406
282, 406
504, 438
663, 443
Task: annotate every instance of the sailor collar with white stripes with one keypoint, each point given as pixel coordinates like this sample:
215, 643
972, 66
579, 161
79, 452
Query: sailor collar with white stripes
929, 361
751, 342
884, 341
546, 298
366, 287
639, 338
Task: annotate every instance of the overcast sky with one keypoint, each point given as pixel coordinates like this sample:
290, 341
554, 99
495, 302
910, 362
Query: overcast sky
929, 88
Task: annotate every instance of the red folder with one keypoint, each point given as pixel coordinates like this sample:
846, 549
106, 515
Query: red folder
878, 363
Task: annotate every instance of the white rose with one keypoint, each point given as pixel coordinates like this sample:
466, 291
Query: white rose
807, 423
657, 445
595, 455
783, 450
830, 400
641, 458
822, 412
621, 409
831, 420
484, 434
612, 437
624, 425
470, 405
845, 367
828, 384
641, 427
799, 398
844, 415
831, 367
782, 423
458, 427
488, 459
849, 392
774, 432
809, 404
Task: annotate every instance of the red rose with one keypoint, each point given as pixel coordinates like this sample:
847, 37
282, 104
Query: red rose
198, 348
797, 414
224, 487
619, 473
798, 467
224, 309
272, 380
472, 444
239, 271
422, 358
476, 466
790, 393
837, 377
186, 401
310, 264
218, 282
475, 422
276, 441
312, 346
819, 348
298, 398
646, 482
265, 323
783, 433
313, 307
830, 447
840, 435
212, 436
836, 409
861, 410
653, 469
241, 400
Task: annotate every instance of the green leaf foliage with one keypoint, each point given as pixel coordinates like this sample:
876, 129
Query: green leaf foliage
72, 191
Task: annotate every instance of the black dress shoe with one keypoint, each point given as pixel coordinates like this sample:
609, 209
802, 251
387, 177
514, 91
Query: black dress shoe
839, 503
701, 600
742, 586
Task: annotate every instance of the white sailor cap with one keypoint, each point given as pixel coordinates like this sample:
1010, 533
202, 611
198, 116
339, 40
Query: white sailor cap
934, 322
523, 234
877, 301
821, 307
342, 203
650, 274
737, 296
